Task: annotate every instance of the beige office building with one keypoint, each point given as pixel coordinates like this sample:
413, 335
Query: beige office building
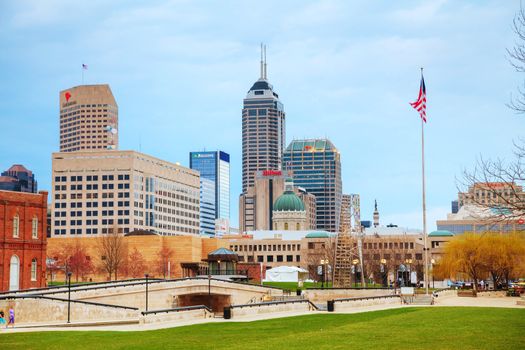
88, 118
97, 191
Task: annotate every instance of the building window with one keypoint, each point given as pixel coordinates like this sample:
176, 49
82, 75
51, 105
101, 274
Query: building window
286, 226
33, 270
16, 226
34, 228
297, 228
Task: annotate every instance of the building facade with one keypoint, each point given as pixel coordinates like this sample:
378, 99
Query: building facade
316, 166
263, 130
256, 206
497, 194
88, 119
95, 192
23, 219
215, 167
289, 212
18, 178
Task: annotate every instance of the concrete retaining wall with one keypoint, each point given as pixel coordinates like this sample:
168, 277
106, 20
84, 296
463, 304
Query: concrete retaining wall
176, 316
347, 305
266, 308
323, 295
43, 311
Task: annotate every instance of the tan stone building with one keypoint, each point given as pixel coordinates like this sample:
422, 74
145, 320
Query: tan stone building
96, 191
256, 205
492, 193
151, 247
88, 118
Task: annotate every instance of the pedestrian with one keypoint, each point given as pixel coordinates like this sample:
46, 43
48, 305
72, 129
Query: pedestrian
11, 318
2, 319
482, 285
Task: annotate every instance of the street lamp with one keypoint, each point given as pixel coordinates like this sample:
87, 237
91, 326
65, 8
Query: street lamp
218, 267
209, 289
146, 275
409, 280
323, 262
69, 297
383, 272
432, 262
355, 262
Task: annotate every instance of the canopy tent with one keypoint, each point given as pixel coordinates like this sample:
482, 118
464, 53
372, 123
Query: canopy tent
286, 274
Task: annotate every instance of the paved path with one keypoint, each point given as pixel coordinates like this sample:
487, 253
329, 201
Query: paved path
484, 301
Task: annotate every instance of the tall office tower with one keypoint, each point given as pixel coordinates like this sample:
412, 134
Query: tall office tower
95, 192
263, 125
18, 178
213, 166
88, 119
316, 166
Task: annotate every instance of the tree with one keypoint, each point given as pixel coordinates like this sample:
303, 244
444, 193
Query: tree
517, 59
504, 256
136, 264
111, 249
464, 257
164, 255
72, 257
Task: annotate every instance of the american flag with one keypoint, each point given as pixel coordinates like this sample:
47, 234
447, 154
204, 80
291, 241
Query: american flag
420, 104
84, 66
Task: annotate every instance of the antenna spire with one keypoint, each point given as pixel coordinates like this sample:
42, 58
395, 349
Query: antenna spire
265, 65
262, 66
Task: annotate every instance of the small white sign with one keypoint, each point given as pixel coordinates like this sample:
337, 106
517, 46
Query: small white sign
407, 291
319, 270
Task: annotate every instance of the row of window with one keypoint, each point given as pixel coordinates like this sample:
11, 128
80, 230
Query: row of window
16, 227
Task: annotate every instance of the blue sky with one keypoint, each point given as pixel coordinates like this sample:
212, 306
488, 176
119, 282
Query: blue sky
345, 70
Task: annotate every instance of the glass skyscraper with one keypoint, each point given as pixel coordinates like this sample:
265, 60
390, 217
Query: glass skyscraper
263, 126
316, 166
214, 168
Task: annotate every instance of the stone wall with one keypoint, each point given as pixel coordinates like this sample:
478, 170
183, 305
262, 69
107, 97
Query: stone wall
272, 307
347, 305
323, 295
176, 316
46, 311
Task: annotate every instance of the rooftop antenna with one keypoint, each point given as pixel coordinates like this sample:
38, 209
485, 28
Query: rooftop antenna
262, 66
265, 76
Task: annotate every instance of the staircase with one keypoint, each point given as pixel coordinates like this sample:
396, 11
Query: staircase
422, 299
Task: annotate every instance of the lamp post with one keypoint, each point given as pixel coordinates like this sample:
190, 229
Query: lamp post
69, 297
146, 275
323, 263
209, 289
354, 263
409, 261
432, 262
218, 267
383, 272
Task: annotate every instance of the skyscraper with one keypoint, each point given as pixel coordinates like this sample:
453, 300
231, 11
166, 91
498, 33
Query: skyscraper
316, 166
263, 129
18, 178
88, 119
213, 166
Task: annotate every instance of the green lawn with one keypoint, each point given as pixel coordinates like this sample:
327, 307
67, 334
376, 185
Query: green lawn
409, 328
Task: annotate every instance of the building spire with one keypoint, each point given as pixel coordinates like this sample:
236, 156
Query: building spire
262, 66
376, 214
265, 65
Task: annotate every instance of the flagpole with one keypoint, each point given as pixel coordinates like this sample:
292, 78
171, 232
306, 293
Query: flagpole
425, 236
82, 68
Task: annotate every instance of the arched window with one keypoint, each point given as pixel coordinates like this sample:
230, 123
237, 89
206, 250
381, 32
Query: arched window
285, 226
16, 226
14, 273
34, 228
33, 269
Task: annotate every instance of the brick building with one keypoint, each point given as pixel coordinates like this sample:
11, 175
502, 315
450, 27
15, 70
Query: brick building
23, 226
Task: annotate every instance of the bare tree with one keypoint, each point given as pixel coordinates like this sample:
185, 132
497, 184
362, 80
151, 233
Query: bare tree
136, 264
164, 255
516, 56
501, 185
111, 249
324, 250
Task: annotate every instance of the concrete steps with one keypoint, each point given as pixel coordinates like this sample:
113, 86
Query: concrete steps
422, 299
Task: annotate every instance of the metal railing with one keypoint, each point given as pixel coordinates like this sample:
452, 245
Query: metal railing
66, 300
177, 309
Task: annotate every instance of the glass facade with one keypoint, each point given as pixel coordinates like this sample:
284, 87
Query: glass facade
316, 167
213, 166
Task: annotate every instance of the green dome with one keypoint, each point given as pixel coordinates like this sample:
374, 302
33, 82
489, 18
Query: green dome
288, 201
441, 233
318, 234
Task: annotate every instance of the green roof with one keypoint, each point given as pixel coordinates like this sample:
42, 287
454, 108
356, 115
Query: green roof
318, 234
288, 201
441, 233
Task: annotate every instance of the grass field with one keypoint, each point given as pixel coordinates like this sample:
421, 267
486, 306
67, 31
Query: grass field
408, 328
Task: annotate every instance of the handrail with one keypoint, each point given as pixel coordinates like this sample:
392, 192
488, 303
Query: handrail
267, 303
67, 300
367, 298
177, 309
353, 288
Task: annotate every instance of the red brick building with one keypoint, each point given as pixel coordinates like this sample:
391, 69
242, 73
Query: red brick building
23, 227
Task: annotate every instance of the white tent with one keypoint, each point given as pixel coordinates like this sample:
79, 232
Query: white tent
286, 274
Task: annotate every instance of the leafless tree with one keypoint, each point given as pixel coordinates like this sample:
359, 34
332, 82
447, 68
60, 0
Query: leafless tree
503, 183
111, 249
516, 56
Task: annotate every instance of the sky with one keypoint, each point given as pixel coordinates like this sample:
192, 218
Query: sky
345, 70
